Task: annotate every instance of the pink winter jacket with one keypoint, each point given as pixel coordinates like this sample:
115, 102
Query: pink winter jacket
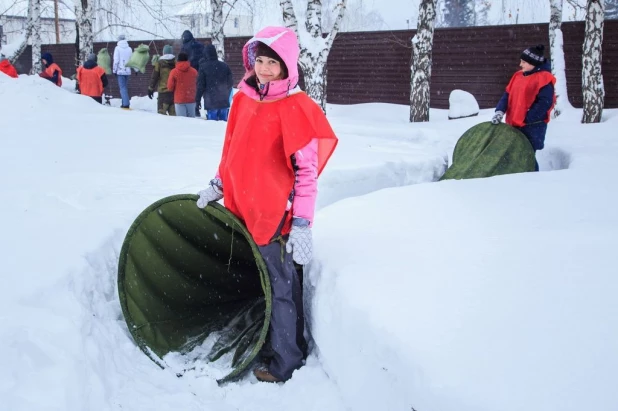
306, 185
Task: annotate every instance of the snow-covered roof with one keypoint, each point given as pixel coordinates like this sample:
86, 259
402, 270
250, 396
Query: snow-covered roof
19, 8
195, 7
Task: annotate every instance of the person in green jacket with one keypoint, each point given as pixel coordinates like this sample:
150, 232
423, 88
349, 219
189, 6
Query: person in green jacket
158, 82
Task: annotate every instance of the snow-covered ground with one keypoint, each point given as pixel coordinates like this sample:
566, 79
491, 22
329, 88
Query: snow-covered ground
493, 294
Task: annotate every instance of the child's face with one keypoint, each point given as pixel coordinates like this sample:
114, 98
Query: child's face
267, 69
525, 66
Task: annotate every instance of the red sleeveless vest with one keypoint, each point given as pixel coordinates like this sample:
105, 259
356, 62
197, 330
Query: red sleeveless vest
256, 169
522, 93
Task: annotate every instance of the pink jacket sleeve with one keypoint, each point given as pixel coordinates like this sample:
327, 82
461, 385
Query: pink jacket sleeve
306, 185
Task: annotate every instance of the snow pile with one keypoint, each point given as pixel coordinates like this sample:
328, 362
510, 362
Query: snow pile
462, 104
489, 294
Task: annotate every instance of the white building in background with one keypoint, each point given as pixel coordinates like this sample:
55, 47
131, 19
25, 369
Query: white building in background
142, 21
13, 15
196, 16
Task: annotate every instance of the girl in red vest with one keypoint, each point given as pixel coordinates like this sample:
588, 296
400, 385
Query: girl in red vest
6, 67
91, 79
51, 71
529, 98
277, 142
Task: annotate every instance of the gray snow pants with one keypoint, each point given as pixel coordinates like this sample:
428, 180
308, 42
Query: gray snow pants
287, 321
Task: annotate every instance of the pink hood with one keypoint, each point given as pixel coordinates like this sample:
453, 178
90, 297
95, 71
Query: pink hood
284, 42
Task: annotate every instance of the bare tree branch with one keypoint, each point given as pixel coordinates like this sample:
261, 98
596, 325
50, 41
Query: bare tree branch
333, 33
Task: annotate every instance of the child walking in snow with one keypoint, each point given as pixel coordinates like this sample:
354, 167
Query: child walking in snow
92, 79
158, 82
183, 82
529, 98
277, 142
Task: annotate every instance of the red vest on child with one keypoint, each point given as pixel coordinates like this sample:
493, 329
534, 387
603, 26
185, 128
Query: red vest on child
256, 169
7, 68
89, 80
49, 73
522, 93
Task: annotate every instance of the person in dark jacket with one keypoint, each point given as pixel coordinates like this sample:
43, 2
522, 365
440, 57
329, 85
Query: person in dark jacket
529, 98
158, 82
91, 79
214, 84
195, 50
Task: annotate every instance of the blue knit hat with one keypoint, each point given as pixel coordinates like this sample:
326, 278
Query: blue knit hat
47, 57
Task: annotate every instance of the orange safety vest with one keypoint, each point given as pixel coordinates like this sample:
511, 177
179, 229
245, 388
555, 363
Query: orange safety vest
7, 68
90, 83
522, 93
49, 73
256, 168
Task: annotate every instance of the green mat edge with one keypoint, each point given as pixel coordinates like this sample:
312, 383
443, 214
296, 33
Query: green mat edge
216, 210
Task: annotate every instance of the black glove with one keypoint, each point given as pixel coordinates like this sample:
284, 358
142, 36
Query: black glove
198, 106
197, 111
150, 93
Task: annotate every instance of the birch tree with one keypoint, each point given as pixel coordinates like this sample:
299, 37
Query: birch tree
556, 46
314, 47
84, 18
611, 9
422, 45
34, 10
217, 36
25, 36
592, 78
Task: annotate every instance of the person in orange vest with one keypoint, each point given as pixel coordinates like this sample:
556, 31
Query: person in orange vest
277, 143
183, 82
91, 79
6, 67
529, 98
51, 71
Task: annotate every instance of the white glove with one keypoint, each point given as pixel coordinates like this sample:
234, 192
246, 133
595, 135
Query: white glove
212, 193
300, 244
497, 118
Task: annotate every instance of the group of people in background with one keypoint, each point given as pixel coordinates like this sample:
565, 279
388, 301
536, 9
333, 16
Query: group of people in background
196, 75
193, 80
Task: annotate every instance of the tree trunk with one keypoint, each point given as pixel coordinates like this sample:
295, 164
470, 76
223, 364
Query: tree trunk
314, 47
84, 16
558, 65
56, 22
217, 36
26, 36
314, 72
592, 78
422, 45
36, 37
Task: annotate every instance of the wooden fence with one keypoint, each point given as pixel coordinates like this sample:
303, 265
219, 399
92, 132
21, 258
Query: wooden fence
375, 66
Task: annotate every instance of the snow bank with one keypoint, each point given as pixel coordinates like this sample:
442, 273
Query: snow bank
488, 294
